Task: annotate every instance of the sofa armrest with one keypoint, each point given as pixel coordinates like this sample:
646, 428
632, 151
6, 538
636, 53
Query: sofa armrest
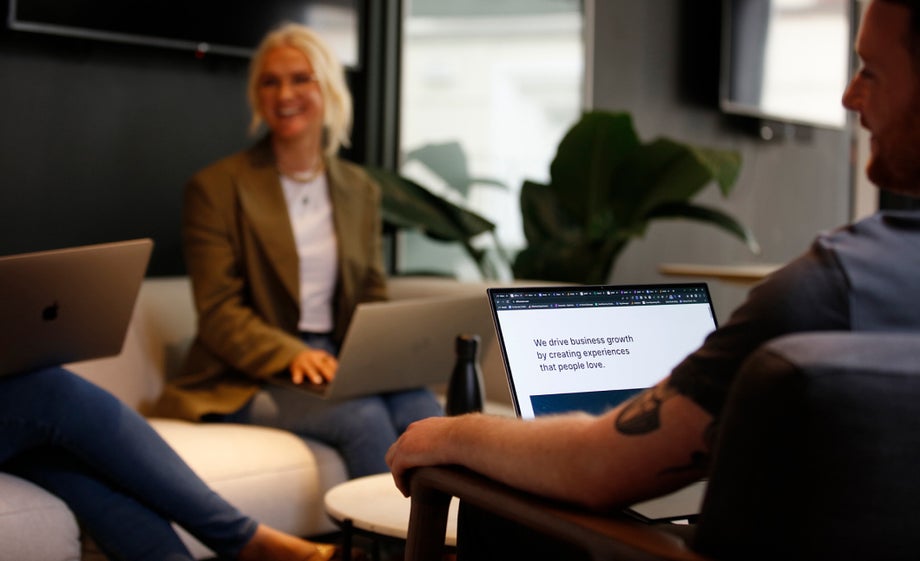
161, 329
34, 524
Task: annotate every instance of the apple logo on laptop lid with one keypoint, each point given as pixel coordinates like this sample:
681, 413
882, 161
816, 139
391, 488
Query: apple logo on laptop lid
50, 313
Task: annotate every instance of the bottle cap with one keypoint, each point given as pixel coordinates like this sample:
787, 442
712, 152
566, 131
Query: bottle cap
467, 345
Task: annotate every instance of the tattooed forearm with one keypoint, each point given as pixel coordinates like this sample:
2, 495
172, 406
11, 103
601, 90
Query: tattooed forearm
642, 415
699, 460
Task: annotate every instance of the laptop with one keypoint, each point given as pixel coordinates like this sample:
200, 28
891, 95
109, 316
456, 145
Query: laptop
402, 344
68, 305
589, 348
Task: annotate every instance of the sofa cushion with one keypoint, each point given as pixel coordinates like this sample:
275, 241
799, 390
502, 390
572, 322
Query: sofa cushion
29, 510
272, 475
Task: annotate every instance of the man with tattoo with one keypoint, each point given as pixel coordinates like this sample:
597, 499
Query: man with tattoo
861, 277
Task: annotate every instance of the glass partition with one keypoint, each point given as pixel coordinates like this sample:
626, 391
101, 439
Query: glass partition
488, 89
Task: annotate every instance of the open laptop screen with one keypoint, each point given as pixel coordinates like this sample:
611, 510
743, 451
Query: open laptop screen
589, 348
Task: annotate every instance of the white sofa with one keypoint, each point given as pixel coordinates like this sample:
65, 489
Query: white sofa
270, 474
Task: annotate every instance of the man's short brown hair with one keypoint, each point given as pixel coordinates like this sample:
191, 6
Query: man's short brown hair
914, 38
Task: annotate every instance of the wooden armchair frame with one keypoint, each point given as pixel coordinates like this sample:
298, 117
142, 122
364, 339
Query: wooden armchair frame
599, 537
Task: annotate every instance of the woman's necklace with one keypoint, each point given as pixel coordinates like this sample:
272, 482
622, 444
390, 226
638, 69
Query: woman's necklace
302, 184
303, 176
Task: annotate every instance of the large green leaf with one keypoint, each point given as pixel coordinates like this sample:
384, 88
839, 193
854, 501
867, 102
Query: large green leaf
606, 186
448, 161
711, 216
724, 165
586, 160
555, 260
660, 172
545, 220
559, 248
406, 204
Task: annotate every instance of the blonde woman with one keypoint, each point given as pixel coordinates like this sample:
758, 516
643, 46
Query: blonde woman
282, 241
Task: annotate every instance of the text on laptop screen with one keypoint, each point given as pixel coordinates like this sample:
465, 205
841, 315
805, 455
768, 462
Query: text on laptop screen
590, 348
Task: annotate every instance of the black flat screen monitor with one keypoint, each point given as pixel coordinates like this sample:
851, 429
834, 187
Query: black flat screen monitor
786, 60
202, 26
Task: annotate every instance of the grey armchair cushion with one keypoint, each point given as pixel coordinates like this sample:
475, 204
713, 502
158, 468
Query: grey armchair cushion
819, 452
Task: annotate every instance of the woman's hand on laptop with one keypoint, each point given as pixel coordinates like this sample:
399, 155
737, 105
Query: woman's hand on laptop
314, 366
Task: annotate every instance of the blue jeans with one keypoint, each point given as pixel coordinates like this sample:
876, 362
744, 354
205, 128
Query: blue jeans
121, 480
362, 429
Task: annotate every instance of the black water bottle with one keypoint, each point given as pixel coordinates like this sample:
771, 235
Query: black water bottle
464, 391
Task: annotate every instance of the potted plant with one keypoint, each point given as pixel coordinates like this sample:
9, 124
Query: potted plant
605, 187
406, 204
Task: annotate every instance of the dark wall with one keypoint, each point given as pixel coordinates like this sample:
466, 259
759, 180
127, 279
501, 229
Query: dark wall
658, 59
98, 139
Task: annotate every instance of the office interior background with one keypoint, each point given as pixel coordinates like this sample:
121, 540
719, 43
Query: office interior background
99, 136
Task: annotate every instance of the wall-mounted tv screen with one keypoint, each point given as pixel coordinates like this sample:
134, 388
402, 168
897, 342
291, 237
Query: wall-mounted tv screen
202, 26
786, 60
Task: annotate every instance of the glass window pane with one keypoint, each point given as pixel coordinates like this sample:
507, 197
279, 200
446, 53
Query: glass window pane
496, 84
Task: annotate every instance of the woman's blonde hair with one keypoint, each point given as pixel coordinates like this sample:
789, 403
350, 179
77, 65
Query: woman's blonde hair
337, 111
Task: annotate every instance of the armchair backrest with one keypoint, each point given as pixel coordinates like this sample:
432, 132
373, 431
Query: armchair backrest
819, 452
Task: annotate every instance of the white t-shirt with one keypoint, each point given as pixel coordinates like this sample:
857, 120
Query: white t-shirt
310, 211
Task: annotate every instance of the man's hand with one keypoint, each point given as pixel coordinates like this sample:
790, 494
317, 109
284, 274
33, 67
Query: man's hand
315, 366
425, 443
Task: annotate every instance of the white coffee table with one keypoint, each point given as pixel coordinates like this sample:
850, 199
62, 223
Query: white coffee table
373, 506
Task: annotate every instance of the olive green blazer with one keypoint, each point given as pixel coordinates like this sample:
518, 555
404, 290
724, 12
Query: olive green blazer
241, 256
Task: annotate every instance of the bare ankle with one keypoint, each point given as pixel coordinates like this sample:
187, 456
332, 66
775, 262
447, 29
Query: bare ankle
268, 544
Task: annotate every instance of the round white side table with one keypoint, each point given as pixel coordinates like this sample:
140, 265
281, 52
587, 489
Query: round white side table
373, 506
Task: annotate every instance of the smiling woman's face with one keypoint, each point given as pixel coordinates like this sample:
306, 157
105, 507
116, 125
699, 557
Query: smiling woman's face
289, 97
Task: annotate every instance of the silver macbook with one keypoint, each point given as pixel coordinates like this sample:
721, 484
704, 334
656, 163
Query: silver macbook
402, 344
589, 348
68, 305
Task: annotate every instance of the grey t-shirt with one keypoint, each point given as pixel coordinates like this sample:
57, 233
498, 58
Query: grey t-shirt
862, 277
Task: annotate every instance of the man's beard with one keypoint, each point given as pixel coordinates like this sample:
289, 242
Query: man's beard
895, 165
900, 177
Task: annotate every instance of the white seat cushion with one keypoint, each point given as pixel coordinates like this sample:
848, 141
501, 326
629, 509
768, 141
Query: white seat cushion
29, 510
272, 475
